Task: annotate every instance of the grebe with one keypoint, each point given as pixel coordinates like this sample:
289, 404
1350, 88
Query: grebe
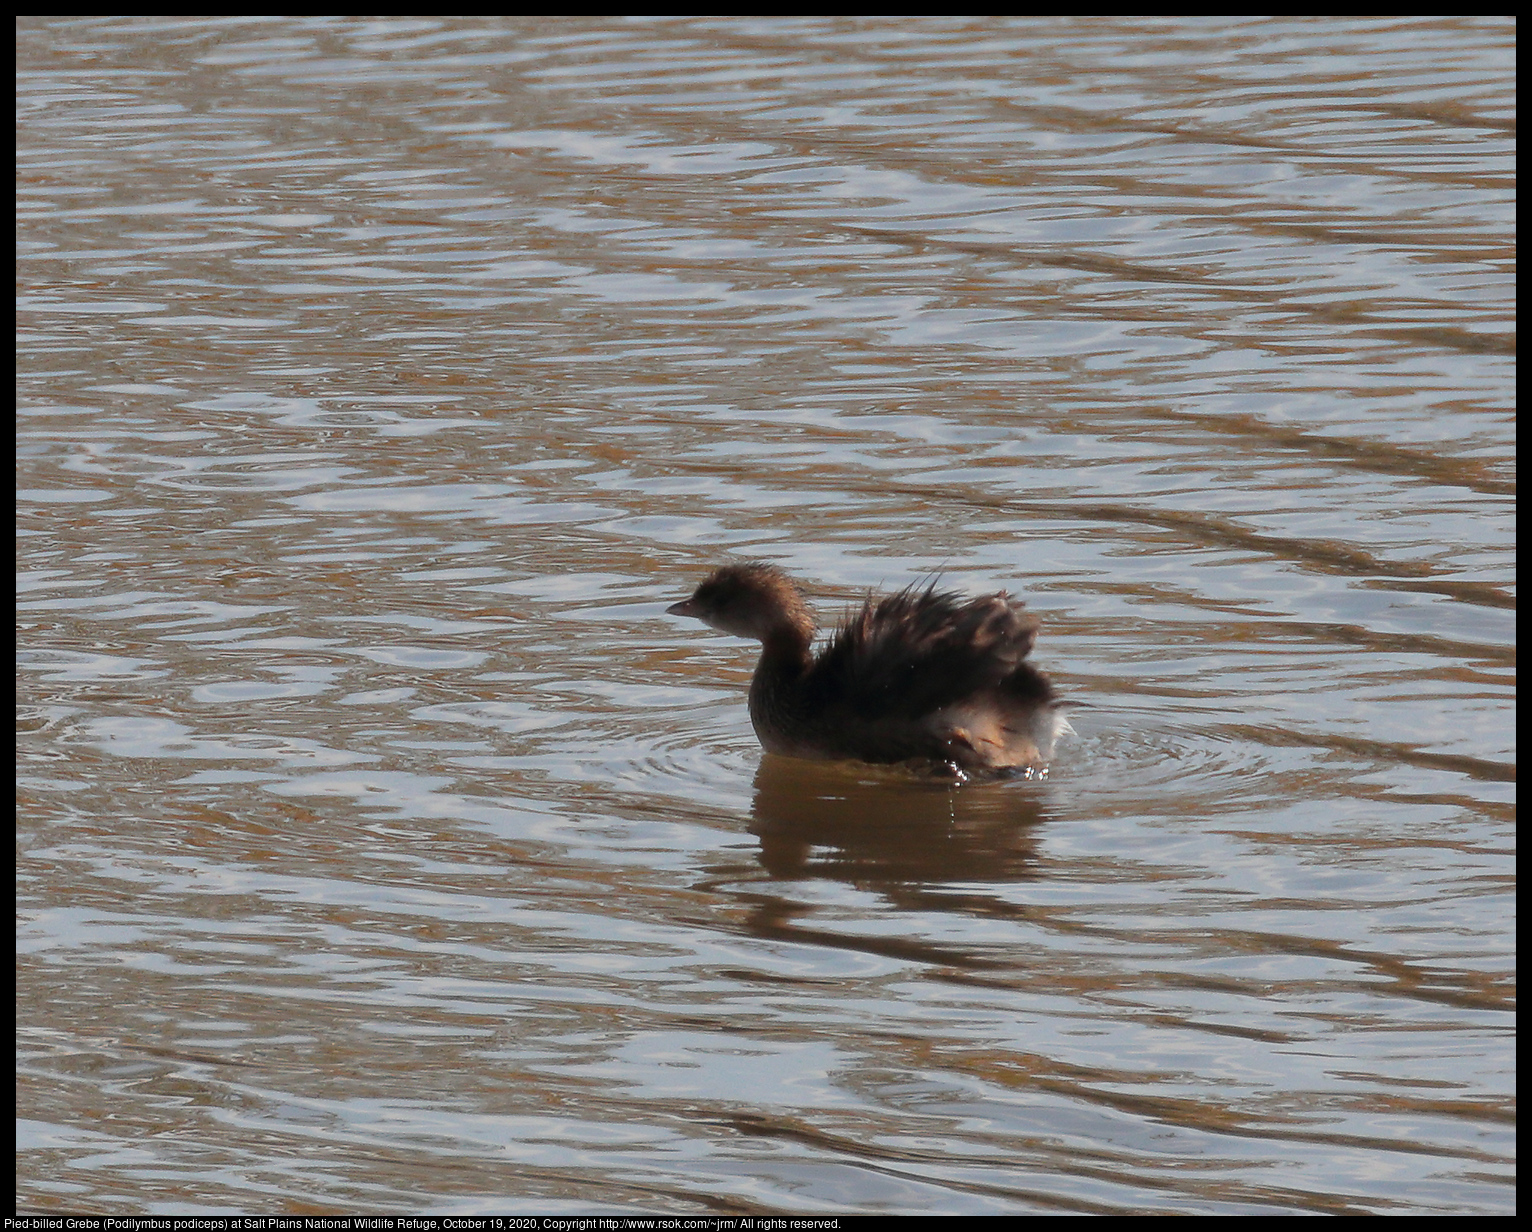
923, 676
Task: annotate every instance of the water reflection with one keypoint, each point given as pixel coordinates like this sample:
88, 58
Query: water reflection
872, 826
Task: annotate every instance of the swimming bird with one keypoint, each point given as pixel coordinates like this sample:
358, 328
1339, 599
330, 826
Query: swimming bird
924, 677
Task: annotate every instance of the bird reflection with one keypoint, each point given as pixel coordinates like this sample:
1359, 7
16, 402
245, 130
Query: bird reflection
857, 823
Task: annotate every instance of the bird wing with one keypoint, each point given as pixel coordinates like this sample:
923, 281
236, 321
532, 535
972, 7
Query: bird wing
918, 651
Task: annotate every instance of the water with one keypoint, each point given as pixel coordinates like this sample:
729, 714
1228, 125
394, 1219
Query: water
383, 847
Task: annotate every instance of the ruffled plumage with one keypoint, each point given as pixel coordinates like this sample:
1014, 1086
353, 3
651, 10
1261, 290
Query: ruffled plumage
922, 676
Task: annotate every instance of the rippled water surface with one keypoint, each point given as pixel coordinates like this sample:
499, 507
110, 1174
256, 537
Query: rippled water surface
384, 847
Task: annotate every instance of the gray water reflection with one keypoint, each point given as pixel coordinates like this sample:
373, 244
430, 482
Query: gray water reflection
383, 846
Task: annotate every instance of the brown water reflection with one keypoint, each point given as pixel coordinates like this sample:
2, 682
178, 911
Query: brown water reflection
869, 827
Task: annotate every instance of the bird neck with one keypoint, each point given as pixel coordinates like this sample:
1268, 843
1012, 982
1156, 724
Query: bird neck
785, 648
